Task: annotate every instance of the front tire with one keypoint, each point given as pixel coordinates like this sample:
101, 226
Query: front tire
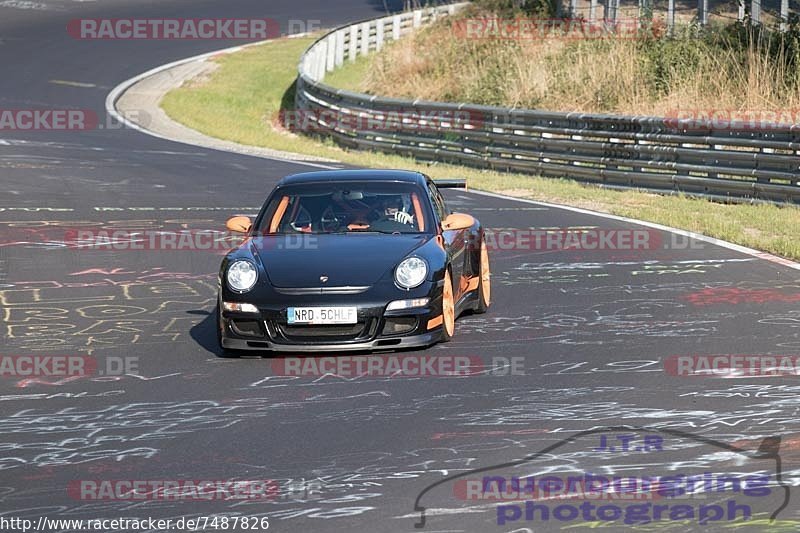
485, 284
448, 309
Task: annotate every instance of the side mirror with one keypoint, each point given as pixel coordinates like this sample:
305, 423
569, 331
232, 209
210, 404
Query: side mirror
456, 221
239, 224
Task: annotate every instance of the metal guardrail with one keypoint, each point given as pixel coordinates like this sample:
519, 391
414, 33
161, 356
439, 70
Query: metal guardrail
665, 154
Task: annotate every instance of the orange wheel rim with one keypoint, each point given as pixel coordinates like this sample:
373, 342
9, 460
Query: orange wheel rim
486, 275
448, 306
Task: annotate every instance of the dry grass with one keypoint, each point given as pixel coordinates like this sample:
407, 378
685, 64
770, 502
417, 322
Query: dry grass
627, 76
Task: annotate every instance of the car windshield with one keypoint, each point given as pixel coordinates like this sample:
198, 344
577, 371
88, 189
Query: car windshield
357, 207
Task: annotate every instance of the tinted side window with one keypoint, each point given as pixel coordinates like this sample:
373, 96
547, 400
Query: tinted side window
438, 202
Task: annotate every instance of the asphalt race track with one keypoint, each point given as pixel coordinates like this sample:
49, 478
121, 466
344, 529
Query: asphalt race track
575, 340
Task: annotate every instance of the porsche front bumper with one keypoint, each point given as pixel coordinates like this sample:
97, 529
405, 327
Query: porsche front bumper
376, 329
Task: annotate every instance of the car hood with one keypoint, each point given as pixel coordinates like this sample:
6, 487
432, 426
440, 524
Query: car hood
346, 259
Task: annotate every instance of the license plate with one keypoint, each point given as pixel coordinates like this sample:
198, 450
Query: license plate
322, 315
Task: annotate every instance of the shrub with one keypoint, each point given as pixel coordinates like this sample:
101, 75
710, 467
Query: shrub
511, 8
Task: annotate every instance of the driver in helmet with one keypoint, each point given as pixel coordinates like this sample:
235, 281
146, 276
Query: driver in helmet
394, 208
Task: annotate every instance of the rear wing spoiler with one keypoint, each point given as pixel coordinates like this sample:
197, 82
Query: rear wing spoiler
451, 183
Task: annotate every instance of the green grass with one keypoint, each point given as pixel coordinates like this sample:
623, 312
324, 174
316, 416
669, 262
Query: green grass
240, 100
350, 76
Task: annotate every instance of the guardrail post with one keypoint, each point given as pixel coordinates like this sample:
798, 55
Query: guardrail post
330, 56
646, 14
340, 48
321, 60
742, 9
315, 64
671, 17
379, 35
365, 30
592, 11
612, 7
784, 15
702, 12
755, 11
417, 19
396, 27
352, 51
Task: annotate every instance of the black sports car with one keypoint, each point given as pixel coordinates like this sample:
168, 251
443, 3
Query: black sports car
351, 260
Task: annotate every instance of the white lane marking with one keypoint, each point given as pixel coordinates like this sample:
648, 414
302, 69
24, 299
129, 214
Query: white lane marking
511, 209
117, 92
72, 83
697, 236
22, 4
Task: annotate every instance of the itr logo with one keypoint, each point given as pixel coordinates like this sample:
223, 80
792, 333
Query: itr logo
615, 475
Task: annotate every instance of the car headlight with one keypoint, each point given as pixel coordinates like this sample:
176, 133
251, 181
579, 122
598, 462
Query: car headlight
411, 272
242, 275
